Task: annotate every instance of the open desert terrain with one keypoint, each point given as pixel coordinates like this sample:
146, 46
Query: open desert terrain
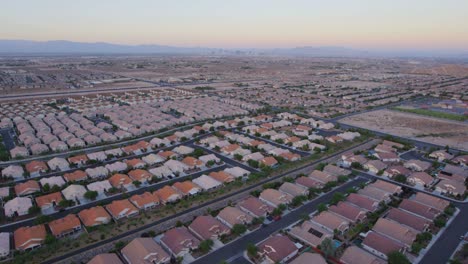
432, 130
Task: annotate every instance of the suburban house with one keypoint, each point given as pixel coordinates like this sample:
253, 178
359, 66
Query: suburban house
74, 192
179, 241
322, 177
65, 226
36, 167
441, 155
122, 209
392, 229
29, 237
17, 206
186, 188
231, 216
167, 194
417, 165
120, 181
255, 207
293, 189
145, 200
408, 219
94, 216
75, 176
277, 249
13, 171
100, 186
237, 172
420, 178
381, 245
49, 200
58, 164
26, 188
432, 201
208, 227
310, 233
331, 222
274, 197
78, 160
140, 175
52, 181
207, 183
419, 209
349, 212
145, 250
356, 255
363, 202
222, 176
105, 258
451, 187
5, 245
388, 187
375, 166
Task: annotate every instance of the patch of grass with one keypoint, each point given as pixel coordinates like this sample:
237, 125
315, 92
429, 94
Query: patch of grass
433, 113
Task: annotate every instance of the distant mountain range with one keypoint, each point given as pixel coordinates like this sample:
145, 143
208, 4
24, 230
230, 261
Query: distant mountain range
27, 47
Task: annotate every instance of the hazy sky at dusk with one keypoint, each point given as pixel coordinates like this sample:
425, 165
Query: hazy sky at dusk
415, 24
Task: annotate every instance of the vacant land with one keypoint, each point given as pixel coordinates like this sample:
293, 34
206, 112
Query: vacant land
433, 113
427, 129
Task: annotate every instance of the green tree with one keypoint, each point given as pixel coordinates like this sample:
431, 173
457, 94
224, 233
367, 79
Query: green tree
49, 239
397, 257
400, 178
205, 245
252, 250
197, 153
321, 207
91, 195
238, 157
336, 198
327, 247
239, 229
136, 183
46, 188
342, 178
440, 222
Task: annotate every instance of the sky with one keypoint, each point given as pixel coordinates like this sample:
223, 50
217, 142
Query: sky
369, 24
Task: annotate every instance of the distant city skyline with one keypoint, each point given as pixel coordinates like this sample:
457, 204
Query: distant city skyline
364, 24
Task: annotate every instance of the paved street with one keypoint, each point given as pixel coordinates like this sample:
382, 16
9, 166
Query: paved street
443, 248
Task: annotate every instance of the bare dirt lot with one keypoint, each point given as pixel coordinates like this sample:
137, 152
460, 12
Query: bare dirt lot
432, 130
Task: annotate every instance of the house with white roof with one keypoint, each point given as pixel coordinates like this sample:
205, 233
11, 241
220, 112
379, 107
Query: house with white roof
74, 192
98, 172
152, 159
237, 172
19, 206
58, 164
100, 186
117, 166
207, 183
13, 171
209, 157
97, 156
51, 181
183, 150
117, 152
4, 244
161, 171
176, 166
